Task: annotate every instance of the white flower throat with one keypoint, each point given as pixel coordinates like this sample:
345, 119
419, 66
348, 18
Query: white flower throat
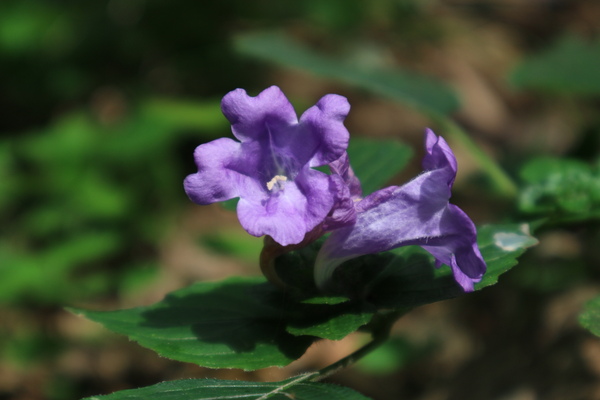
277, 182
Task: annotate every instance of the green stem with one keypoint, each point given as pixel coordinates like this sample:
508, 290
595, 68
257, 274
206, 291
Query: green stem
380, 327
349, 359
503, 184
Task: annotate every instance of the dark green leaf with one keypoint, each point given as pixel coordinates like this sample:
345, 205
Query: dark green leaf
332, 322
230, 324
237, 323
214, 389
423, 93
375, 162
569, 66
561, 188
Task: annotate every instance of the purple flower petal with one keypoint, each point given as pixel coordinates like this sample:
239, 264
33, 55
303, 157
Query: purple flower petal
290, 213
417, 213
252, 117
343, 212
269, 169
221, 173
342, 167
324, 122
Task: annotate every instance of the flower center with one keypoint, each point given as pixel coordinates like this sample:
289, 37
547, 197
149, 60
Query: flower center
278, 181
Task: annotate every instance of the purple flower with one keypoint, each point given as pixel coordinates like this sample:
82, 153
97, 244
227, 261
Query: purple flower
269, 168
417, 213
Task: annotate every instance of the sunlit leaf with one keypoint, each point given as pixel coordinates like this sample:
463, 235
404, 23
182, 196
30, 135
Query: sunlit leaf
423, 93
213, 389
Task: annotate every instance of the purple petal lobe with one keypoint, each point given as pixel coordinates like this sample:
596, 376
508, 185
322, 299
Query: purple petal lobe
343, 212
325, 121
253, 117
216, 180
439, 156
342, 167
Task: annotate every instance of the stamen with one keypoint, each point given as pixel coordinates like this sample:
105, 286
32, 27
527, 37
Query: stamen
275, 180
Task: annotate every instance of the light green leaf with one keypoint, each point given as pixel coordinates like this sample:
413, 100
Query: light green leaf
214, 389
569, 66
375, 162
420, 92
590, 317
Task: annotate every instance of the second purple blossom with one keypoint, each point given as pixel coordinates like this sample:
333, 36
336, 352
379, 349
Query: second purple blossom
417, 213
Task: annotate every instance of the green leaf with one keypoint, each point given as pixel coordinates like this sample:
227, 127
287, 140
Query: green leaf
375, 162
590, 317
420, 92
562, 188
237, 323
228, 324
333, 322
410, 278
569, 66
214, 389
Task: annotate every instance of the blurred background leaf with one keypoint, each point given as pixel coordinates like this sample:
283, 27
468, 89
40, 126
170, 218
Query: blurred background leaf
423, 93
568, 66
567, 189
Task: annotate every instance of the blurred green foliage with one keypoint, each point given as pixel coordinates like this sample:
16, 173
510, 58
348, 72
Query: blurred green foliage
423, 93
567, 189
568, 66
82, 194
